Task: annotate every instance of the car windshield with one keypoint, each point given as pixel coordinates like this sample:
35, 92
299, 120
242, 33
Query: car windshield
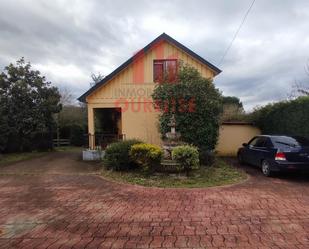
291, 141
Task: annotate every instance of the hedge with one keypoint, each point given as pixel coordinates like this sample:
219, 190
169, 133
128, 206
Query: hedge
285, 117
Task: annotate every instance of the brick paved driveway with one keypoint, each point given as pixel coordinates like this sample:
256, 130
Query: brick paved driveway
59, 202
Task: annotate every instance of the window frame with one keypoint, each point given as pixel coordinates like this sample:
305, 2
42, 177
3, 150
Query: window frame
264, 140
163, 61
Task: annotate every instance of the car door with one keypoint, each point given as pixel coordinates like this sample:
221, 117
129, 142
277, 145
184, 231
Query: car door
247, 150
256, 150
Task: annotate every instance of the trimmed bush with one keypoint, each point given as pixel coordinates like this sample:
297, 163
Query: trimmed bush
285, 117
42, 141
146, 155
77, 135
36, 141
206, 157
187, 156
196, 105
117, 155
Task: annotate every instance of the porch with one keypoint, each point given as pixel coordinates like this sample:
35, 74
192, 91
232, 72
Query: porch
104, 127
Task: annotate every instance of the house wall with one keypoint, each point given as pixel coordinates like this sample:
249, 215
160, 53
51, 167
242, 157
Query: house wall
131, 90
232, 136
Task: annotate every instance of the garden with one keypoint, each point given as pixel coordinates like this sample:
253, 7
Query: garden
193, 107
135, 162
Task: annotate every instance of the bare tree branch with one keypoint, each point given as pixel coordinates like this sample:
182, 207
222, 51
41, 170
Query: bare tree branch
299, 89
96, 78
307, 67
66, 97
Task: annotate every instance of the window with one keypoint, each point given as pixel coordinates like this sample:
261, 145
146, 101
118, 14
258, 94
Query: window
258, 142
268, 143
164, 70
284, 141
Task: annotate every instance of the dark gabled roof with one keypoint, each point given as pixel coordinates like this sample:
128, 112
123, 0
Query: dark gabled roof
161, 37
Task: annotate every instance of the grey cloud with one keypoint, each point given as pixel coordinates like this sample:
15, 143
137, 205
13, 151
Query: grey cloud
68, 40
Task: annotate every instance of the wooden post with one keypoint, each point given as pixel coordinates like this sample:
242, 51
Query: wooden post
91, 127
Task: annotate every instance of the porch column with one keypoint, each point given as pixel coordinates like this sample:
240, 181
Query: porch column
91, 127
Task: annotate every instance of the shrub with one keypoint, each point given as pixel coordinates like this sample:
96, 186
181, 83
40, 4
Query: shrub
117, 155
42, 141
36, 141
206, 157
285, 117
196, 104
77, 135
146, 155
187, 156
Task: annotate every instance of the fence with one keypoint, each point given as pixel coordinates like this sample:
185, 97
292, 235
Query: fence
61, 142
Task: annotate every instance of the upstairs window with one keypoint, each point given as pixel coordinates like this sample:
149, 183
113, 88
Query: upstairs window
164, 71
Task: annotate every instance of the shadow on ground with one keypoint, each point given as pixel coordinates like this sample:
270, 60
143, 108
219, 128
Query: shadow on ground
290, 176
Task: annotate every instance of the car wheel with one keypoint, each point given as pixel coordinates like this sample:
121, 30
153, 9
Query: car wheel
240, 159
266, 168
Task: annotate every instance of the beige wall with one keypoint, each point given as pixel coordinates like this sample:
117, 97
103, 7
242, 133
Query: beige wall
232, 136
131, 90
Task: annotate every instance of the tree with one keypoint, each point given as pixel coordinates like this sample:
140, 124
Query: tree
196, 104
27, 105
66, 96
232, 109
4, 126
232, 100
72, 124
298, 88
96, 78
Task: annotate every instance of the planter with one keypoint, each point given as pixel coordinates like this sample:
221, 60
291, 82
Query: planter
93, 155
169, 166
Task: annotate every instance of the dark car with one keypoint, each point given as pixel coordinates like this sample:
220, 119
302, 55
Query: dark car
276, 153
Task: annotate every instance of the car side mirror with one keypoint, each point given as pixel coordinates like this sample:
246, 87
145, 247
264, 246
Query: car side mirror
245, 144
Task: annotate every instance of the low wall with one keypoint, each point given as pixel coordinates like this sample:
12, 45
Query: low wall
232, 135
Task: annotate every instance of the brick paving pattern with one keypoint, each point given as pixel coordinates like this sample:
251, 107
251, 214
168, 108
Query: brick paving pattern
77, 209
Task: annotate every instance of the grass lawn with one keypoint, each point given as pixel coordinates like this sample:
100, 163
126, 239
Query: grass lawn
221, 173
21, 156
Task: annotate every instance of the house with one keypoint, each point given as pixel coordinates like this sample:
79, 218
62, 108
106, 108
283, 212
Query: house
121, 105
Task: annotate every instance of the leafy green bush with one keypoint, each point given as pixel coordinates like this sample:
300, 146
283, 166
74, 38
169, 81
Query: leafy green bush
285, 117
206, 157
146, 155
187, 156
36, 141
196, 104
77, 135
117, 155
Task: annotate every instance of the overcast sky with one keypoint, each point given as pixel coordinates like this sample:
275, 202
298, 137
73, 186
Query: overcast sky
67, 40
